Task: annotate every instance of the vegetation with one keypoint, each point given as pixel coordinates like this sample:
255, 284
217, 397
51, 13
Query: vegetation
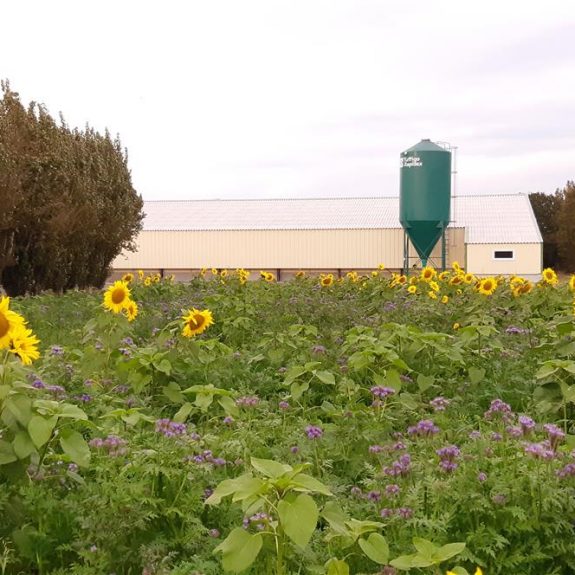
368, 425
67, 205
555, 215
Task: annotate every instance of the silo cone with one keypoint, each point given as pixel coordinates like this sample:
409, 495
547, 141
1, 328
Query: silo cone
425, 195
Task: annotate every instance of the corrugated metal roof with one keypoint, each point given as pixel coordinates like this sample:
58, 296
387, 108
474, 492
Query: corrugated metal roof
487, 219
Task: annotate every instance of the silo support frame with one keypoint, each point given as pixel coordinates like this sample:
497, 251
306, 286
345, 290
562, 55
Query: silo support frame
407, 259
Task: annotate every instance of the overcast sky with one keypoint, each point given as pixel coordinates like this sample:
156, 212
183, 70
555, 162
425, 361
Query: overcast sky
306, 98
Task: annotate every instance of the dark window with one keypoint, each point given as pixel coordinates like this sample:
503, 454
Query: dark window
503, 254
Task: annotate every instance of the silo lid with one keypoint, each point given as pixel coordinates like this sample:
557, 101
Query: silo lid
425, 146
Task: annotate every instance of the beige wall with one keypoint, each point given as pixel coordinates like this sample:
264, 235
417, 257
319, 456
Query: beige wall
527, 259
273, 249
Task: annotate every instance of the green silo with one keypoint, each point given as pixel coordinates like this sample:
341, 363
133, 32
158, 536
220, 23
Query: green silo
425, 196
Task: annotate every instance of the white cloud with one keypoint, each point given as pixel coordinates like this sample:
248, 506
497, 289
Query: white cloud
306, 97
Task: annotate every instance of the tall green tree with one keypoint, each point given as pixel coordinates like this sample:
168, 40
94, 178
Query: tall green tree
67, 204
566, 228
546, 208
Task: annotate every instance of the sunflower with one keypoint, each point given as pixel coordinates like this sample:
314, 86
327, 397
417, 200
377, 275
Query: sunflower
196, 322
24, 344
432, 294
412, 289
487, 286
572, 283
148, 281
456, 326
524, 288
445, 299
428, 273
352, 276
456, 267
128, 278
443, 275
374, 273
380, 267
326, 280
203, 272
455, 280
434, 286
214, 271
299, 275
117, 296
141, 274
468, 278
224, 274
549, 276
401, 279
131, 310
9, 321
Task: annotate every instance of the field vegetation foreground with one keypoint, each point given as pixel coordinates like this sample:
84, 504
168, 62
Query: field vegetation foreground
368, 425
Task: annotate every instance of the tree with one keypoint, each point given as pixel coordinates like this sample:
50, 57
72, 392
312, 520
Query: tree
67, 204
565, 234
546, 208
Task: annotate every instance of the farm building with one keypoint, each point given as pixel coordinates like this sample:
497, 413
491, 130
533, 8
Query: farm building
488, 234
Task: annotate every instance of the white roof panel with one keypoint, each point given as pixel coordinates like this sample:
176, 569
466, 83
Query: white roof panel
487, 219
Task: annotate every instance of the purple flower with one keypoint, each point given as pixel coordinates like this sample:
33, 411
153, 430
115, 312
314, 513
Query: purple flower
448, 455
294, 449
514, 330
481, 477
526, 423
514, 431
374, 496
567, 471
318, 349
499, 407
475, 434
425, 428
247, 401
555, 434
405, 512
313, 432
499, 499
84, 397
56, 350
214, 533
356, 491
382, 392
399, 468
208, 492
228, 420
542, 450
386, 512
375, 448
114, 446
495, 436
392, 490
439, 403
56, 390
283, 405
170, 428
38, 384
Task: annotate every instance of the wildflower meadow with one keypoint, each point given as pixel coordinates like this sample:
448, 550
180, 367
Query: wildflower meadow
362, 425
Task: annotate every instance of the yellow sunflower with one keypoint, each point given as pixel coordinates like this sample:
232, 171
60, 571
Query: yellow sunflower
214, 271
299, 275
445, 299
196, 322
203, 272
326, 280
434, 286
352, 276
487, 286
427, 273
141, 274
456, 267
9, 321
117, 296
468, 278
381, 267
456, 326
131, 310
455, 280
128, 278
549, 276
148, 281
413, 280
432, 294
443, 275
412, 289
224, 274
374, 273
572, 283
24, 344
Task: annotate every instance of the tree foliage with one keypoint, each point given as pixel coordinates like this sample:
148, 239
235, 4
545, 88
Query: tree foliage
67, 204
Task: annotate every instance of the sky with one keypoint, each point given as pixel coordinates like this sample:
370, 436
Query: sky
306, 98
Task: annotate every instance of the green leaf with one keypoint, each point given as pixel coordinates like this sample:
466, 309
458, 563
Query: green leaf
239, 549
229, 405
393, 380
302, 481
459, 570
183, 412
23, 445
448, 551
293, 373
270, 468
476, 375
204, 400
173, 392
424, 382
40, 429
298, 387
231, 486
336, 518
20, 407
403, 563
7, 454
71, 411
164, 366
424, 547
326, 377
75, 446
376, 548
298, 517
337, 567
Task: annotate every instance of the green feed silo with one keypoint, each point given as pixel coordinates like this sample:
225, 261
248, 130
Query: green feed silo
425, 196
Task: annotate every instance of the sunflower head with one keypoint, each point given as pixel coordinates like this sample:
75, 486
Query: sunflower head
432, 294
487, 286
326, 280
445, 299
131, 310
468, 278
300, 274
9, 321
196, 322
412, 289
374, 273
549, 276
224, 274
24, 344
427, 273
117, 296
128, 278
148, 281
